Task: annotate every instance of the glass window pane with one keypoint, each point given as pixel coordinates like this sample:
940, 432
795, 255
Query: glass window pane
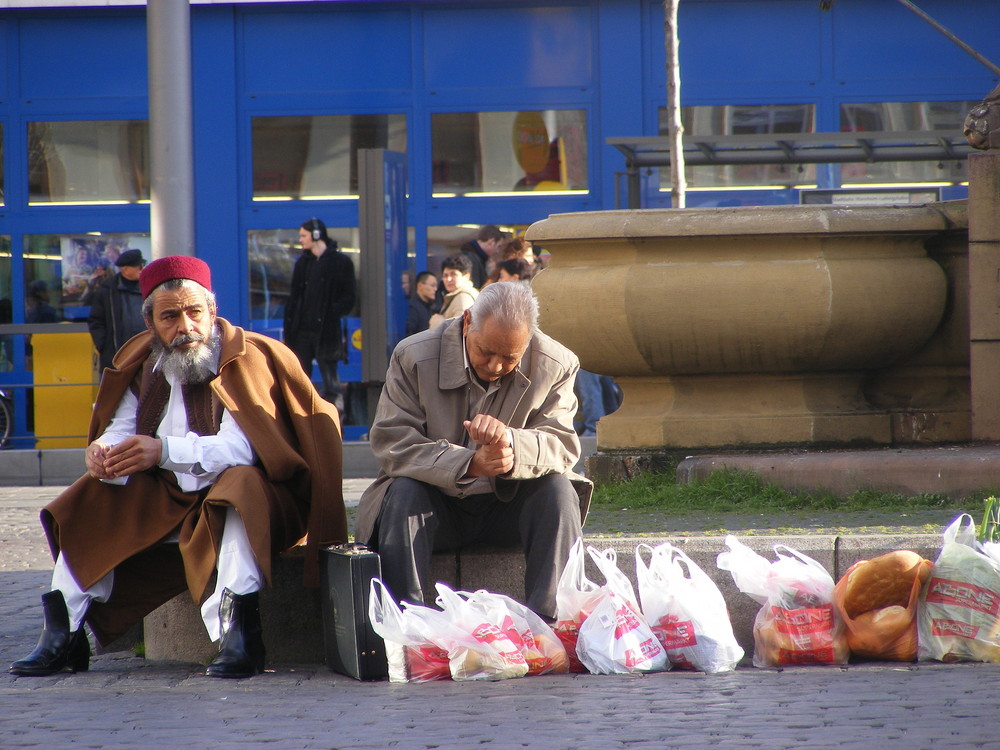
6, 305
272, 254
443, 241
745, 119
477, 153
315, 157
904, 117
2, 191
61, 271
88, 162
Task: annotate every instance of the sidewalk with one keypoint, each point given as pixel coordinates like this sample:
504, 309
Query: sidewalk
128, 702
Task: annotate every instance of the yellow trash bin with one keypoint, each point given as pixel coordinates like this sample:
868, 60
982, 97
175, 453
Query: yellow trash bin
65, 369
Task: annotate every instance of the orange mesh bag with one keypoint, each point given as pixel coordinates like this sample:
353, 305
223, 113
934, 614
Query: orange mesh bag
877, 600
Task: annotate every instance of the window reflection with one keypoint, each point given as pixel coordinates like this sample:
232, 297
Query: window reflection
315, 157
443, 241
904, 117
272, 254
88, 162
61, 271
489, 153
745, 119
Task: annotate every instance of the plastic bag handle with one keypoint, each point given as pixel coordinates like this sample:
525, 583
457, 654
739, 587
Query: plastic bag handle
804, 559
574, 575
447, 598
384, 613
751, 571
654, 570
638, 557
607, 563
376, 600
962, 530
679, 559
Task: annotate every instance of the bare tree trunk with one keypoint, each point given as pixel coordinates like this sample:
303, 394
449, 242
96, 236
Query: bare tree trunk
675, 130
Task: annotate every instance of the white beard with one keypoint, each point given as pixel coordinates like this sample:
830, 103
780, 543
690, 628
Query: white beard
188, 366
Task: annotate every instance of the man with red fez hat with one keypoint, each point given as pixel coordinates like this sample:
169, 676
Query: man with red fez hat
210, 451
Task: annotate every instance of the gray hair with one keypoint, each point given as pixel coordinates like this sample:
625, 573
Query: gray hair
174, 285
512, 304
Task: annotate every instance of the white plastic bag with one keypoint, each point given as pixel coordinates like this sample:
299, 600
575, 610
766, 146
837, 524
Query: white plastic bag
478, 649
686, 611
798, 623
615, 638
576, 597
411, 653
959, 606
542, 649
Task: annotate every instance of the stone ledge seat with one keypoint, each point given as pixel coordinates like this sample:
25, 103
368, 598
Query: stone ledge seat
292, 617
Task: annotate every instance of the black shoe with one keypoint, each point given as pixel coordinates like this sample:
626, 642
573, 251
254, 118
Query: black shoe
57, 648
241, 653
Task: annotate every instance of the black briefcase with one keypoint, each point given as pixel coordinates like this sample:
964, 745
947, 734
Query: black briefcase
352, 647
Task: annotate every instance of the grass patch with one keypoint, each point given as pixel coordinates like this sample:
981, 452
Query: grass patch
730, 491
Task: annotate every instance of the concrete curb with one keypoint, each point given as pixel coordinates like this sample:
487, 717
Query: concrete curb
292, 616
63, 466
955, 471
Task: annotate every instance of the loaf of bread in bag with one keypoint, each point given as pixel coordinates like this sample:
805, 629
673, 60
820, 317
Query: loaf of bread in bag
884, 581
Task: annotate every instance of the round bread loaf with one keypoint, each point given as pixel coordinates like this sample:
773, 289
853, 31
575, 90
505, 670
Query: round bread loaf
884, 581
890, 632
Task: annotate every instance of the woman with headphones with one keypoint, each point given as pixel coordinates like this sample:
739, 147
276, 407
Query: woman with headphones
322, 292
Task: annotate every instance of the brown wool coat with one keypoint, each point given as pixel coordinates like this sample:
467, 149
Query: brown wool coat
295, 488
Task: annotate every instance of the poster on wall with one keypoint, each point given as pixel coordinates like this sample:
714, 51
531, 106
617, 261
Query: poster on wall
87, 260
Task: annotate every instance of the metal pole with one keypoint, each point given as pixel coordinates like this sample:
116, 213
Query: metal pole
171, 212
981, 58
371, 224
675, 129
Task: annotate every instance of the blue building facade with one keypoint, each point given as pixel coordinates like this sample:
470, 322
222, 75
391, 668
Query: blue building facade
502, 107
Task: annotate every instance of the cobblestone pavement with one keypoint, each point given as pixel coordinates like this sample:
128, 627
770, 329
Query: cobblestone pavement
125, 702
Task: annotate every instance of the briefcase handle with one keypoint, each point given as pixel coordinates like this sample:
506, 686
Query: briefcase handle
350, 548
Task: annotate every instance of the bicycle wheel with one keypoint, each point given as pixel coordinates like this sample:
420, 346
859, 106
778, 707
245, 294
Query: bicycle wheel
6, 422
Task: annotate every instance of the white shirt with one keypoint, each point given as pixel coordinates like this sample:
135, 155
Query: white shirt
196, 460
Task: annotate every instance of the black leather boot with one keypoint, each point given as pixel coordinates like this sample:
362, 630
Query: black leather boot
241, 653
57, 648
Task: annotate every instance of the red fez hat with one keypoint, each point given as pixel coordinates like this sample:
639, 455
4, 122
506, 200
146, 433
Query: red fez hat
174, 267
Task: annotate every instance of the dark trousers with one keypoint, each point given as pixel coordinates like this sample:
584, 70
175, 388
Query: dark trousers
417, 520
306, 348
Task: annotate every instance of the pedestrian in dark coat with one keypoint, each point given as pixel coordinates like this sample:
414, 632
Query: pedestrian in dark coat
322, 293
116, 308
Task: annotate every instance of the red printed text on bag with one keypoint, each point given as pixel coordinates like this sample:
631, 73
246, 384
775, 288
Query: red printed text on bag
625, 621
805, 620
509, 629
648, 649
963, 594
812, 656
488, 633
568, 633
955, 628
675, 633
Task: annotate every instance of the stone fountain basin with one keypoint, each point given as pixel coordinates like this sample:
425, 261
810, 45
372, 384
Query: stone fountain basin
732, 314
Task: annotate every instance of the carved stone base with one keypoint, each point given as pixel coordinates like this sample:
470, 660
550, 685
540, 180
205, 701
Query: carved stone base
723, 410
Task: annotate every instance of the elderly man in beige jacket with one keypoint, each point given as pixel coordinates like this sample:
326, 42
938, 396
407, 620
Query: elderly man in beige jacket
474, 435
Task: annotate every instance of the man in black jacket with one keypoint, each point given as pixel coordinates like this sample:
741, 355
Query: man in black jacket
481, 251
322, 293
423, 303
116, 308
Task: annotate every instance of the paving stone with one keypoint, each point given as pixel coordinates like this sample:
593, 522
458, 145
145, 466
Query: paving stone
128, 702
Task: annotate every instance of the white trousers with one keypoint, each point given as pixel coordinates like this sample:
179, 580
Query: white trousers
237, 571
